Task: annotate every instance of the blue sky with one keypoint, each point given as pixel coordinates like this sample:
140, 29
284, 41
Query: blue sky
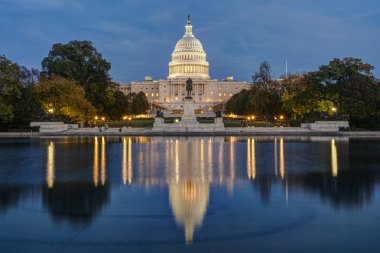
138, 36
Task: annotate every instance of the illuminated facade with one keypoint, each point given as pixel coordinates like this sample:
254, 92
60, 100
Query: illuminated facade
188, 60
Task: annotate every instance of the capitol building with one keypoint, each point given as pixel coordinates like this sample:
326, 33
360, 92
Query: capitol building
188, 61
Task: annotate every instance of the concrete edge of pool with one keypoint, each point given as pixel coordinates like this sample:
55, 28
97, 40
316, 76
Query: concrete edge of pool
228, 132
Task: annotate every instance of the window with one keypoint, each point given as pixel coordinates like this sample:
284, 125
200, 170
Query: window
220, 94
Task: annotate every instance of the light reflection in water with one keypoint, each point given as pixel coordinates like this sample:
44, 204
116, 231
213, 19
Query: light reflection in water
50, 165
221, 162
127, 161
230, 183
188, 172
275, 157
210, 161
334, 158
96, 162
103, 162
251, 159
202, 160
282, 159
176, 164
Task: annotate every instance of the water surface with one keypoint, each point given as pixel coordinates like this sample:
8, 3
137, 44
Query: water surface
195, 194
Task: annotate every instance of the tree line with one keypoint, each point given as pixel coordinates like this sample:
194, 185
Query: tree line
343, 89
74, 85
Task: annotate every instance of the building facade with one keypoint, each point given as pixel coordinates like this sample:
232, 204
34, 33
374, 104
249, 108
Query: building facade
188, 60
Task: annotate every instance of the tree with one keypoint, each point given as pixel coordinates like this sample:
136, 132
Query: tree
297, 98
64, 98
265, 103
347, 84
238, 103
263, 77
139, 103
263, 99
80, 61
27, 107
120, 107
10, 88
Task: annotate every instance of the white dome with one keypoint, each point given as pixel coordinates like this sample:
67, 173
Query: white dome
188, 57
188, 44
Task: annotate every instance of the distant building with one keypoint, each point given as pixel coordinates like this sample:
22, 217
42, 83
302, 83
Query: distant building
188, 60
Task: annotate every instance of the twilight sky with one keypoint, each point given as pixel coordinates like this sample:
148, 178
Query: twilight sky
138, 36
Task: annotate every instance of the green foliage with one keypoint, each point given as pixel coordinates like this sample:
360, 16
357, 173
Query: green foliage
238, 103
27, 107
10, 88
264, 102
120, 107
80, 61
139, 103
64, 98
346, 84
6, 112
264, 99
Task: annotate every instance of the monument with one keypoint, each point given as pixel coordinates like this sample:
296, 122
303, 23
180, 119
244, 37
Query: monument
188, 118
188, 121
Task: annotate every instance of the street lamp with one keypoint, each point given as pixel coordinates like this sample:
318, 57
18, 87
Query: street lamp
334, 110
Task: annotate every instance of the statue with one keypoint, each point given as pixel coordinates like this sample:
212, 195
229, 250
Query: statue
189, 87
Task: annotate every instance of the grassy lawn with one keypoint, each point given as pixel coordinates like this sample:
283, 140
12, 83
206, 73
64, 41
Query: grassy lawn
127, 123
238, 123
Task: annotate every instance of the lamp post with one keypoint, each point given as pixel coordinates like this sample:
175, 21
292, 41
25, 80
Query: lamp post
334, 111
50, 112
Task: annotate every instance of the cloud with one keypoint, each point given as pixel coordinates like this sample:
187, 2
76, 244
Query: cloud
137, 37
43, 4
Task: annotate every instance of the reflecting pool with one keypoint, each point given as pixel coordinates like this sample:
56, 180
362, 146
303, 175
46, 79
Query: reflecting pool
189, 194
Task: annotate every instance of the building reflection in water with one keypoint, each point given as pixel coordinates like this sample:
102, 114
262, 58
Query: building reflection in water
188, 169
50, 164
220, 162
334, 158
189, 184
231, 178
